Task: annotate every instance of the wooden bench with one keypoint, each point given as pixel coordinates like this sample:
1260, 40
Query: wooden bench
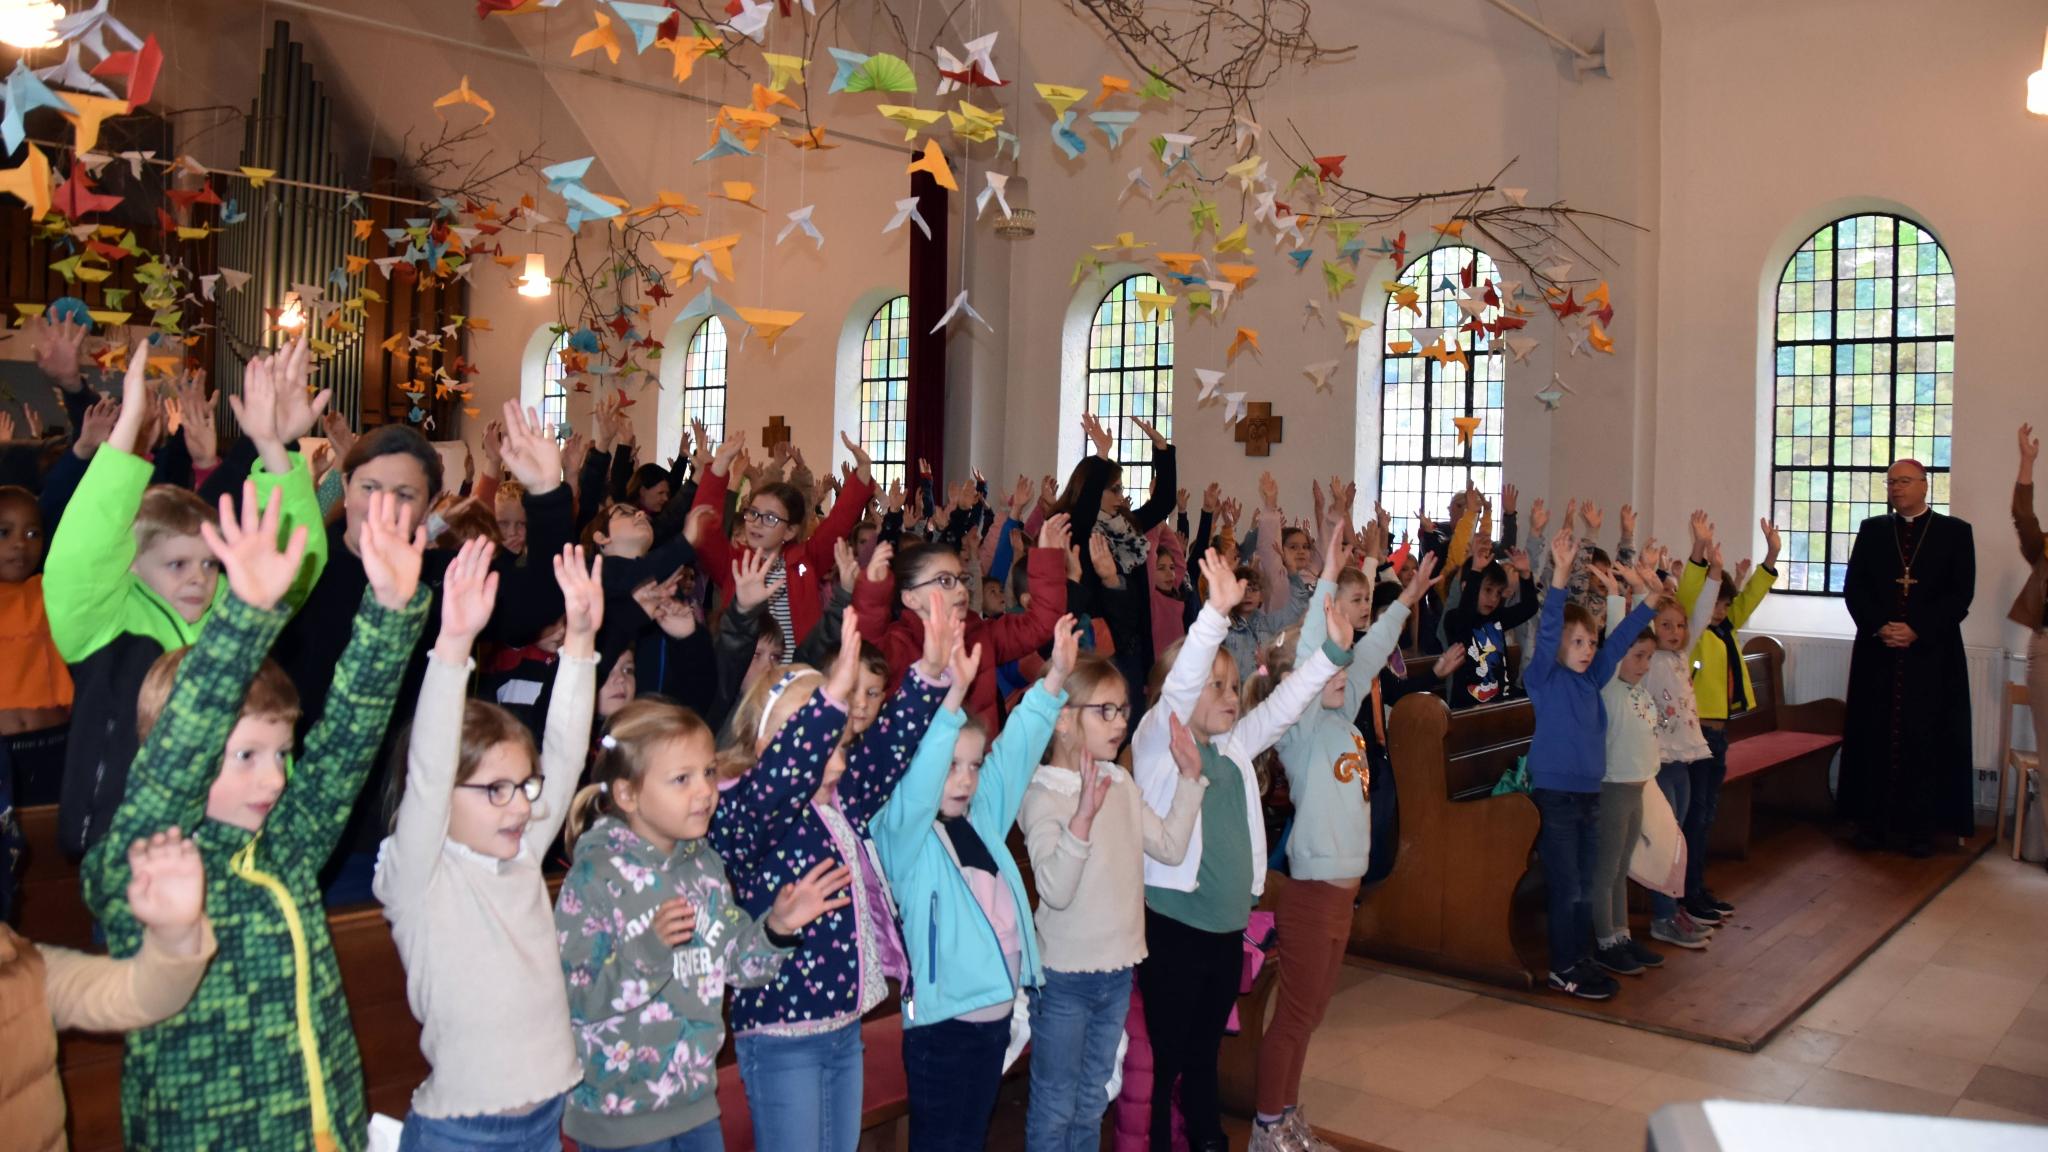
1449, 904
1778, 753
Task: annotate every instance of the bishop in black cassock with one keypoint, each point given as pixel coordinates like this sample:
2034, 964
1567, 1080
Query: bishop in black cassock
1906, 758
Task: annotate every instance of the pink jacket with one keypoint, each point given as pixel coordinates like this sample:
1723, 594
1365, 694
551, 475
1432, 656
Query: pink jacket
1168, 620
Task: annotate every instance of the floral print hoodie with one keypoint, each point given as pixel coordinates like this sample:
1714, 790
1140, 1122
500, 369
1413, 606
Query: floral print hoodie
648, 1018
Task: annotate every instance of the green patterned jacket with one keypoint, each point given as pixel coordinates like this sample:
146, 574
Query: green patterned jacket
264, 1056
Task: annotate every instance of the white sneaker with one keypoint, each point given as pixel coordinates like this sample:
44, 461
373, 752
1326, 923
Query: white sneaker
1308, 1140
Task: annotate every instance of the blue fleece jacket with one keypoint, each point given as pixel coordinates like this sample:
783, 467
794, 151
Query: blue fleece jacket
1569, 751
956, 962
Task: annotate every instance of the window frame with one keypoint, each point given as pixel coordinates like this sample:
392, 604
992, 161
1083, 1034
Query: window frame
885, 342
1487, 475
1842, 516
697, 372
1104, 391
554, 386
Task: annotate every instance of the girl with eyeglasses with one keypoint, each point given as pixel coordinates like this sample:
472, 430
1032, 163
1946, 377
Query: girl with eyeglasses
460, 876
1087, 832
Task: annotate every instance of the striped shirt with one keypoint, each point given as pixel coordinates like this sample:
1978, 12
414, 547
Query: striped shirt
778, 607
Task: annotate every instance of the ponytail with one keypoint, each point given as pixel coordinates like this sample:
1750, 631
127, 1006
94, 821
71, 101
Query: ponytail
625, 752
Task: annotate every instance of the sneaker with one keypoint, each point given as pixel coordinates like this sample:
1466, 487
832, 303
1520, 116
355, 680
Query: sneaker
1305, 1136
1716, 903
1706, 931
1617, 958
1585, 981
1272, 1139
1678, 932
1645, 955
1701, 911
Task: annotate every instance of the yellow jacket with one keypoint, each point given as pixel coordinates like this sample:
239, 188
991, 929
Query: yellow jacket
1709, 654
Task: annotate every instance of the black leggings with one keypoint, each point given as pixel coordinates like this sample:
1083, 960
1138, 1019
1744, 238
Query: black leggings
1189, 979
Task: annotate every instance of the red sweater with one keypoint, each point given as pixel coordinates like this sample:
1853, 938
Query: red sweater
1002, 640
808, 562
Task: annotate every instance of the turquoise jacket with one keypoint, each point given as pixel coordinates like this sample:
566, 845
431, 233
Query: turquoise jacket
956, 962
1324, 754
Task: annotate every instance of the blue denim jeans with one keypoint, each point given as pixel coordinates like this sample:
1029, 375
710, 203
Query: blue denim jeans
538, 1131
1569, 845
803, 1091
1077, 1021
953, 1070
705, 1137
1675, 781
1707, 776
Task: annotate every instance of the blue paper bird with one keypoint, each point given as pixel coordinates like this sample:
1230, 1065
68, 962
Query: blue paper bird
847, 64
1063, 134
643, 20
728, 145
1300, 257
1114, 124
24, 92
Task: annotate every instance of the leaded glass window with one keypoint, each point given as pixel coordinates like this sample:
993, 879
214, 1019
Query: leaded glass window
704, 378
885, 391
1425, 389
554, 386
1130, 374
1864, 375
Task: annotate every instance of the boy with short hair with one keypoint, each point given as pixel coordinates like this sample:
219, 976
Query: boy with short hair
1567, 762
264, 1056
1488, 608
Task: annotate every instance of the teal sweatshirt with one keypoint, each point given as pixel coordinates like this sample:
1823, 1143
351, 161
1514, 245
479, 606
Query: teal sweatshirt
1324, 755
956, 962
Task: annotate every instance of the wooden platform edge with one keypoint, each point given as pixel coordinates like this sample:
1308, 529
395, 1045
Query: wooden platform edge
1539, 998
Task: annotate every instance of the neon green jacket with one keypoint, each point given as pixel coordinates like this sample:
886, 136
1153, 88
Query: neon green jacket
89, 591
1709, 653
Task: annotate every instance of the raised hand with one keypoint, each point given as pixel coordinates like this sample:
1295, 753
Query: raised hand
825, 888
941, 630
1226, 591
2030, 451
1066, 650
878, 561
341, 435
96, 427
844, 675
297, 412
1601, 580
1180, 501
582, 599
1056, 532
1509, 494
1048, 491
1702, 530
1419, 580
1339, 621
729, 451
530, 453
963, 663
137, 405
1563, 548
195, 410
1591, 516
493, 445
1449, 661
1146, 427
1095, 784
469, 590
391, 547
1518, 563
246, 544
1096, 434
893, 502
675, 921
57, 343
863, 464
1539, 518
1628, 521
676, 619
6, 427
847, 562
1714, 554
167, 890
1212, 498
1103, 561
1772, 542
1269, 491
257, 411
1020, 497
1180, 742
1482, 553
1742, 572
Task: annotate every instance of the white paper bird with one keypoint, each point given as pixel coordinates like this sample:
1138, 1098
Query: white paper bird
1210, 378
801, 218
89, 27
1319, 374
1135, 178
980, 53
1233, 407
752, 21
960, 305
906, 209
997, 181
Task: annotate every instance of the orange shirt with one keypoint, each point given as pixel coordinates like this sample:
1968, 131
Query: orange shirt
32, 674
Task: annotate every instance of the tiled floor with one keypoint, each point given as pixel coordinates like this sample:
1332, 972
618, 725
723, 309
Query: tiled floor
1949, 1017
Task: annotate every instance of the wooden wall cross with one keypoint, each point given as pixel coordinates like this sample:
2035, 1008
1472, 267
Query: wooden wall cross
775, 433
1260, 429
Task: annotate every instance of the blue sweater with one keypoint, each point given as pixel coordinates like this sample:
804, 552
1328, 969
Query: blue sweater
768, 845
1569, 751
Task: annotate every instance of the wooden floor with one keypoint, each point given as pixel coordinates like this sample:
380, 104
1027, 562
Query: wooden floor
1810, 908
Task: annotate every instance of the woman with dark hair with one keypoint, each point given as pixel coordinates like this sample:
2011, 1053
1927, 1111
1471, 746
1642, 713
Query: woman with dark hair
396, 459
1094, 498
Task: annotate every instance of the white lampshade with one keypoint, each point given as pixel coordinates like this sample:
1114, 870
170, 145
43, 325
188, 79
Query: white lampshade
2037, 87
29, 23
535, 281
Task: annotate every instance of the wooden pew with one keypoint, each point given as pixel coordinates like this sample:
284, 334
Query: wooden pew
1778, 753
1449, 904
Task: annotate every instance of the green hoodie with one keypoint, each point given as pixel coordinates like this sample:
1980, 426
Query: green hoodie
92, 596
649, 1019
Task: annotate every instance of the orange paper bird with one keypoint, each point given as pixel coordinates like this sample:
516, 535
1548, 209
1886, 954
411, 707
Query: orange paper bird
769, 323
1442, 355
1111, 84
687, 50
1238, 274
766, 98
1597, 296
1400, 347
739, 192
1450, 228
812, 140
1181, 262
600, 38
30, 183
1599, 339
1246, 338
364, 227
1329, 167
1404, 296
1466, 425
89, 112
934, 162
464, 94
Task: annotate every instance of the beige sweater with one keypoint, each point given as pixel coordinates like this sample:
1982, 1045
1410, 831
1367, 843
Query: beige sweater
477, 935
1091, 893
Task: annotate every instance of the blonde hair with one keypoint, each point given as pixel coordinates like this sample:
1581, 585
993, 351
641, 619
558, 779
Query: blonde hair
1163, 667
270, 696
168, 510
751, 717
1276, 664
626, 752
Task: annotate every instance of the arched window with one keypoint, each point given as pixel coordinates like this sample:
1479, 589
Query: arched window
1864, 375
885, 391
1130, 374
1435, 372
554, 386
704, 378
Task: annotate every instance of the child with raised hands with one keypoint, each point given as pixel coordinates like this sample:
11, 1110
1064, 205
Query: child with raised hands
1329, 778
264, 1056
129, 578
902, 588
1683, 752
460, 875
652, 934
799, 799
1567, 763
166, 896
1196, 910
965, 912
1088, 832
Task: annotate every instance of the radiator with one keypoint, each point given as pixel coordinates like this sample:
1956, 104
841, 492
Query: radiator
1817, 667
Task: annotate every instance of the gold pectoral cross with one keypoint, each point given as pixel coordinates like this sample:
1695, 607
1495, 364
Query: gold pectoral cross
1906, 582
